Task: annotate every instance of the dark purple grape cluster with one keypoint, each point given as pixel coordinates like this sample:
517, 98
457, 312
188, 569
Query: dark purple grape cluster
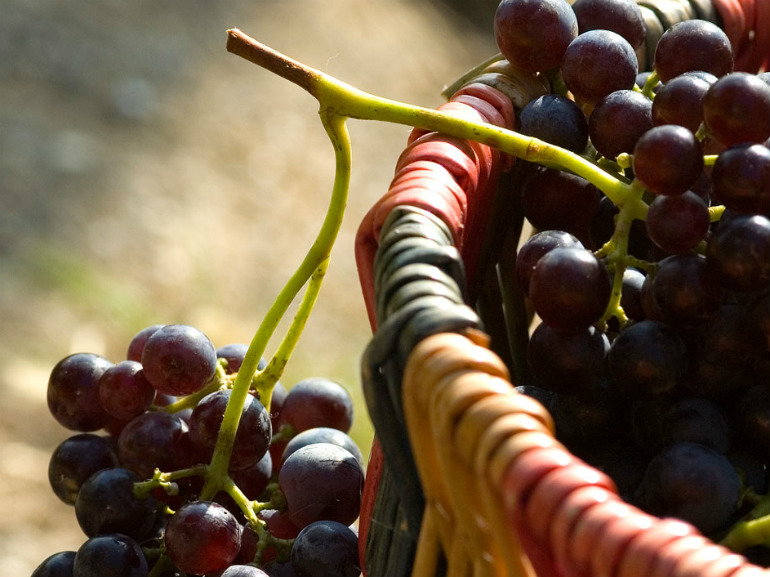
652, 349
139, 469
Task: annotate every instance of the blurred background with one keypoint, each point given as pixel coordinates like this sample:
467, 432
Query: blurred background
148, 176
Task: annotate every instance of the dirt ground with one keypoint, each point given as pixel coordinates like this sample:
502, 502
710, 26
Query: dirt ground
148, 176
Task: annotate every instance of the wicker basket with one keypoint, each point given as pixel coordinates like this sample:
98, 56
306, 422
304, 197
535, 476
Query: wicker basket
466, 477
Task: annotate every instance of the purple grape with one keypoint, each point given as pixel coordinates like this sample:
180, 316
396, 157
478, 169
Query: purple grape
74, 460
326, 549
153, 440
618, 121
736, 109
557, 200
57, 565
741, 178
691, 482
113, 555
620, 16
533, 34
631, 295
686, 291
587, 418
136, 346
535, 247
318, 402
179, 360
668, 159
252, 439
73, 392
234, 354
555, 119
124, 391
751, 415
106, 504
693, 45
739, 252
202, 537
677, 223
721, 354
596, 63
680, 100
569, 289
253, 480
567, 363
647, 359
322, 482
323, 435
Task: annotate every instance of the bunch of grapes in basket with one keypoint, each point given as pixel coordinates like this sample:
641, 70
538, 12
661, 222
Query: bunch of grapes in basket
652, 346
156, 495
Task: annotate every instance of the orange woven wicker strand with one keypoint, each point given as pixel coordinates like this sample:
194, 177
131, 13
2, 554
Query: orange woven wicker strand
506, 499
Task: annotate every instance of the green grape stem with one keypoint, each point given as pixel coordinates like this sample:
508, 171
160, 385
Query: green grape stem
751, 531
342, 99
311, 271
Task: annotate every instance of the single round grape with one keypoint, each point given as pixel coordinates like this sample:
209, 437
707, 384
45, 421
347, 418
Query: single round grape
721, 354
112, 555
324, 435
318, 402
620, 16
106, 504
598, 62
253, 480
736, 109
697, 420
586, 418
631, 295
603, 227
740, 178
738, 252
535, 247
533, 34
124, 391
75, 459
751, 415
73, 392
57, 565
680, 100
234, 354
646, 359
321, 482
618, 121
202, 537
556, 200
569, 289
555, 119
252, 438
567, 363
693, 45
136, 346
156, 439
179, 360
686, 290
677, 223
693, 483
326, 549
668, 159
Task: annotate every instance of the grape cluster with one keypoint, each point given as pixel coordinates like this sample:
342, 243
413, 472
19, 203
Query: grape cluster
652, 348
143, 471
